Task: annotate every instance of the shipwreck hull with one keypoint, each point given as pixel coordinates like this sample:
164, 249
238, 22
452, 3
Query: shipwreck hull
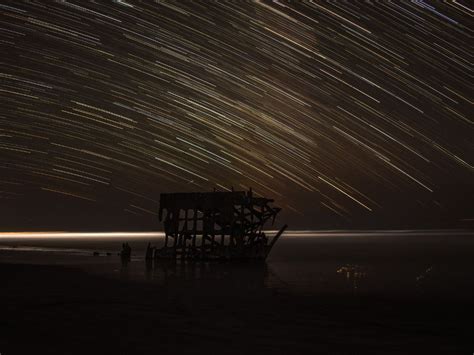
216, 226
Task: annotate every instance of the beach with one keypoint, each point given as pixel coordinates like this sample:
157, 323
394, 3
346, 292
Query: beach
76, 304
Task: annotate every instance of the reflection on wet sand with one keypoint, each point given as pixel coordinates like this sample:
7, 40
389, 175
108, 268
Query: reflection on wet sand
250, 276
229, 276
354, 274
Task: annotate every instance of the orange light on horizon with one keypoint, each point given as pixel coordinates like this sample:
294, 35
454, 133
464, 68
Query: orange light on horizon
287, 233
59, 235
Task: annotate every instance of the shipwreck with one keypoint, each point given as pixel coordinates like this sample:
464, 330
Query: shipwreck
215, 226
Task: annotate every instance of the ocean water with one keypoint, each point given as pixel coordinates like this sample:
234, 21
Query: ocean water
435, 264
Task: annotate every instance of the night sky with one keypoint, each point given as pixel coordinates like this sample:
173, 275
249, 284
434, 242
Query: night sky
349, 114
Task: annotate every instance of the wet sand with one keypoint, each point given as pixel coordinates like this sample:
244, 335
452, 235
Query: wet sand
63, 310
365, 295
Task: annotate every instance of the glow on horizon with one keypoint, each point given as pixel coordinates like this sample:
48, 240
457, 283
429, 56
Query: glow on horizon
290, 233
59, 235
111, 235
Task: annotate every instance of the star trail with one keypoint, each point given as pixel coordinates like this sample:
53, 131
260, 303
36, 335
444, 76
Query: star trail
349, 111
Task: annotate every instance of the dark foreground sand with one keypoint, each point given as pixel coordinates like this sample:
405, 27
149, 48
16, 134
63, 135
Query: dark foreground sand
61, 310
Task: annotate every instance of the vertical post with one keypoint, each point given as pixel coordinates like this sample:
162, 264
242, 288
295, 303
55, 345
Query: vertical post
166, 223
223, 229
194, 226
174, 220
204, 234
185, 233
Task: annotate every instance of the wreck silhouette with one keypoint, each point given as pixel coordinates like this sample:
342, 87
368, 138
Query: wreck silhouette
215, 226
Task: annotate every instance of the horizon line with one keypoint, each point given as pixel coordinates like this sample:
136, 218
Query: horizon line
296, 232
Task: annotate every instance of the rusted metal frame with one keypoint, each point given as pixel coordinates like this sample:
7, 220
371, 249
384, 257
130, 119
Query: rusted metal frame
275, 239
